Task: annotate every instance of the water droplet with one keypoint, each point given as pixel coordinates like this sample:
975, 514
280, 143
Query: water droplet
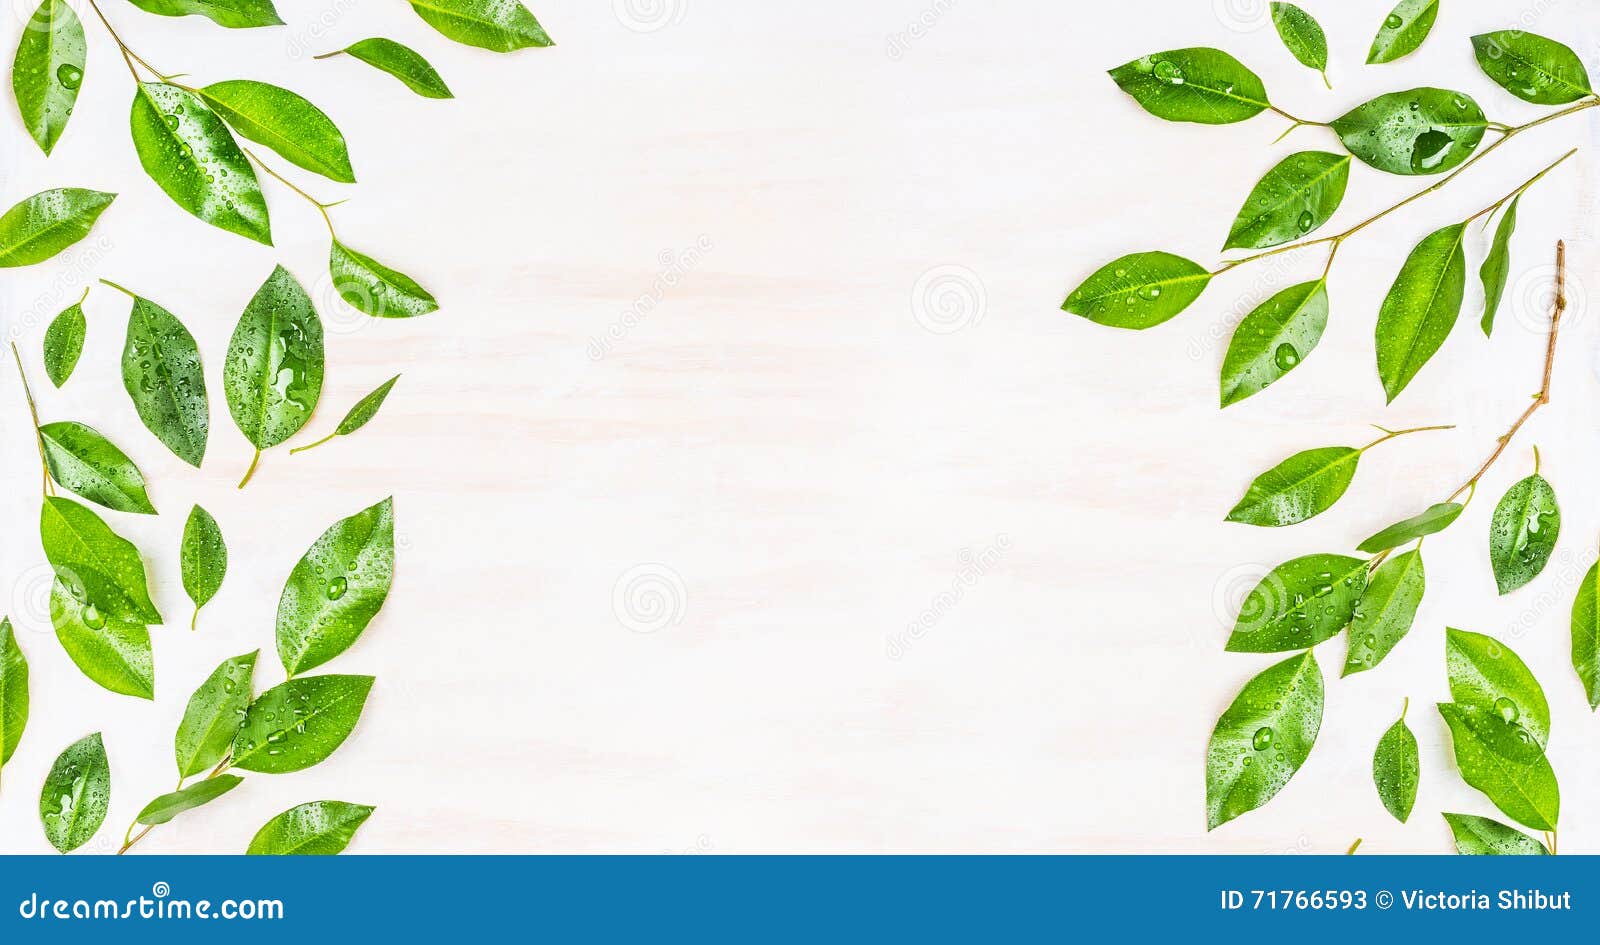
337, 587
1168, 71
1429, 150
92, 617
171, 121
1305, 221
69, 75
1506, 709
1263, 738
1392, 21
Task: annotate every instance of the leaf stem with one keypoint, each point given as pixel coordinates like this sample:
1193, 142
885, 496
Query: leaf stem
128, 839
1405, 708
312, 446
33, 410
128, 292
1391, 434
1491, 208
1353, 847
248, 473
322, 208
128, 55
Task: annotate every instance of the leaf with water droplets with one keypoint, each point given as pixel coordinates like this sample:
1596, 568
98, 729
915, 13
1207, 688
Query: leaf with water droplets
320, 828
1435, 518
1480, 836
1302, 486
1385, 612
1263, 738
1139, 290
1403, 30
63, 343
1501, 760
112, 650
48, 71
1421, 307
1420, 131
1273, 339
167, 806
234, 14
215, 712
85, 462
1199, 84
273, 376
336, 588
1396, 769
366, 408
1522, 533
203, 559
161, 372
285, 122
371, 287
1586, 635
1303, 36
94, 562
400, 61
500, 25
47, 223
299, 723
1486, 674
187, 150
13, 691
1298, 195
1497, 266
76, 794
1532, 67
1299, 604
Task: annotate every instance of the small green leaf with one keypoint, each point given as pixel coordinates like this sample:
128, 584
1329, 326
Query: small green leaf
1586, 635
285, 122
320, 828
13, 691
76, 794
1421, 307
366, 408
1403, 30
1479, 836
1139, 290
167, 806
1522, 533
1298, 195
336, 589
1485, 674
1492, 757
299, 723
1420, 131
371, 287
1273, 339
203, 559
63, 343
1497, 266
1302, 486
1263, 738
85, 462
1299, 604
214, 714
1199, 84
161, 372
399, 61
500, 25
112, 650
1386, 611
95, 563
1435, 518
48, 71
1303, 36
187, 150
1531, 67
47, 223
234, 14
273, 376
1396, 768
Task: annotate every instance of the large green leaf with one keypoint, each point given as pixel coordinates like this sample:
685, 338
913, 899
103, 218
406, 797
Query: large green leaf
371, 287
1484, 673
63, 343
1273, 339
167, 806
1435, 518
299, 723
47, 223
1200, 84
1480, 836
1396, 768
1420, 131
113, 651
76, 794
1421, 307
401, 62
1531, 67
1586, 635
1302, 486
1138, 290
1497, 266
1303, 36
284, 122
500, 25
320, 828
1298, 195
273, 375
202, 558
1263, 738
1299, 604
162, 373
1386, 611
214, 714
1522, 533
96, 564
336, 588
1403, 30
85, 462
13, 691
48, 71
234, 14
1502, 761
187, 150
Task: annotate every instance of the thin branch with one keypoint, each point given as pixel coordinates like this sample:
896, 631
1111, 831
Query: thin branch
33, 410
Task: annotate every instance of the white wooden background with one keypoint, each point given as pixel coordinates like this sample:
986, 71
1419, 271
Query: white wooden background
753, 494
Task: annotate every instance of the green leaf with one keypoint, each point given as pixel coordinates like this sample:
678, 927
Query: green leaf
1200, 84
47, 223
1273, 339
1302, 486
320, 828
336, 589
95, 563
48, 71
1299, 604
1403, 30
1303, 36
299, 723
162, 373
1497, 266
1435, 518
203, 559
366, 408
187, 150
167, 806
13, 691
399, 61
214, 714
1298, 195
76, 794
500, 25
1485, 674
1386, 611
112, 650
1531, 67
1515, 776
85, 462
273, 376
1482, 836
1396, 768
284, 122
1263, 738
234, 14
1420, 131
1522, 533
371, 287
1586, 635
1421, 307
1139, 290
63, 343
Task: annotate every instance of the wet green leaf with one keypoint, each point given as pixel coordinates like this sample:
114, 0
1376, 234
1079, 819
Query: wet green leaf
1522, 533
215, 712
371, 287
366, 408
1139, 290
273, 376
1515, 775
1302, 486
1395, 770
76, 794
1303, 36
1403, 30
1385, 612
299, 723
1299, 604
187, 150
284, 122
167, 806
500, 25
162, 373
85, 462
1263, 738
1421, 307
1484, 673
320, 828
1298, 195
48, 71
1586, 635
47, 223
336, 589
1531, 67
401, 62
203, 559
1497, 266
1435, 518
1482, 836
1200, 84
1420, 131
63, 343
96, 564
234, 14
112, 650
1273, 339
13, 691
